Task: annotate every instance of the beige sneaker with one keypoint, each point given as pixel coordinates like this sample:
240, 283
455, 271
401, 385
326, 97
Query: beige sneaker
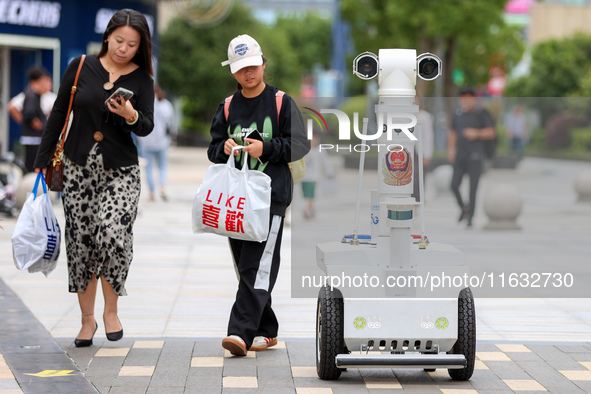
261, 343
235, 345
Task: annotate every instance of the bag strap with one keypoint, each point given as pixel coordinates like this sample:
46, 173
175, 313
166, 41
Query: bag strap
57, 156
39, 178
278, 101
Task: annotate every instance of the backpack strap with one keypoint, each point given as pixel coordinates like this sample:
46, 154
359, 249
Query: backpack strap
227, 106
278, 101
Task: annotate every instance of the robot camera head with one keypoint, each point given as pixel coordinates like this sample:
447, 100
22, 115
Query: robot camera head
367, 66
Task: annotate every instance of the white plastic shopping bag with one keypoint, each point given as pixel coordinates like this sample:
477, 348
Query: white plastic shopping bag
36, 237
232, 202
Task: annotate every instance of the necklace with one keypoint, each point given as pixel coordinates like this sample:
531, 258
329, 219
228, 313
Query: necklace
109, 85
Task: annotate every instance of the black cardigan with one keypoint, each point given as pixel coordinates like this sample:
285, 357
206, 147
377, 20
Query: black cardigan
90, 114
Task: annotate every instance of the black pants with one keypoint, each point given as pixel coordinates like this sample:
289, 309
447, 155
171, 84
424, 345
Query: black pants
30, 155
472, 164
257, 264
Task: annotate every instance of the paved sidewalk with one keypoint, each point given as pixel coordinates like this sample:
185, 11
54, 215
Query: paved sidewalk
181, 288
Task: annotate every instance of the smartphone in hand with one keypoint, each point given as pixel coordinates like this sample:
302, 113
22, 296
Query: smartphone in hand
119, 95
255, 135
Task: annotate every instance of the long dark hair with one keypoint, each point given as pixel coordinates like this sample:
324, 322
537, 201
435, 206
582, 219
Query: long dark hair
137, 21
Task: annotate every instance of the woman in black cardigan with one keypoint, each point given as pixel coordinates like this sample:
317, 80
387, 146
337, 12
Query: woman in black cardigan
101, 172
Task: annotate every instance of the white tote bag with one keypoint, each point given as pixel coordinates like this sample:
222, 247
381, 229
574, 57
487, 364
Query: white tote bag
233, 203
36, 236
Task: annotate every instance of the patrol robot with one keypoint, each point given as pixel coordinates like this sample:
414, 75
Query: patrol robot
395, 318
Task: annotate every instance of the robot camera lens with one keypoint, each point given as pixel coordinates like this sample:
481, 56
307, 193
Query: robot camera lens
428, 68
368, 66
365, 66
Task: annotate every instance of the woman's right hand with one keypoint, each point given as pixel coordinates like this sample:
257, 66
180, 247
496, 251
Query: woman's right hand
37, 170
228, 145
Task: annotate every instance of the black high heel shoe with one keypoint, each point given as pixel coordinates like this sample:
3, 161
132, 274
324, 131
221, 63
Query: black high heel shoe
117, 335
86, 342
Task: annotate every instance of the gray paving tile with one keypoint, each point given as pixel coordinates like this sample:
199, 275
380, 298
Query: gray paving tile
105, 366
201, 390
573, 349
173, 364
358, 389
581, 356
240, 369
551, 379
205, 379
277, 390
418, 388
166, 390
103, 390
506, 370
234, 390
486, 380
132, 381
275, 382
274, 361
583, 385
301, 353
274, 372
139, 357
129, 390
210, 348
523, 356
343, 381
81, 356
102, 381
486, 347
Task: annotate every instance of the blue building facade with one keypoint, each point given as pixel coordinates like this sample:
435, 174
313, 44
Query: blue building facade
50, 33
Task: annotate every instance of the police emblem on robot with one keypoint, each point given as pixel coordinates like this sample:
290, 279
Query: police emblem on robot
397, 168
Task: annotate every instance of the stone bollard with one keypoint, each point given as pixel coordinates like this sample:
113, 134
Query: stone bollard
502, 205
25, 186
583, 186
441, 176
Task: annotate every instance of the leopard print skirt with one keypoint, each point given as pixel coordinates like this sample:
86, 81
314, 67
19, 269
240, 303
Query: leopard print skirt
100, 207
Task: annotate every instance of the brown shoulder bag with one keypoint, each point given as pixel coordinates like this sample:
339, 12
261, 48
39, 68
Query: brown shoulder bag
55, 171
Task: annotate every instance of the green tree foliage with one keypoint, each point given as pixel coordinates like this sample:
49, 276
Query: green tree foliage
190, 57
189, 64
560, 68
465, 34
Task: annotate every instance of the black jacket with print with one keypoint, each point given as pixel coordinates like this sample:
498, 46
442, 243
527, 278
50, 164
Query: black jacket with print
284, 139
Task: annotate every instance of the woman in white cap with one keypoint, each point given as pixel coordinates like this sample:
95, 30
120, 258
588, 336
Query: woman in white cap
281, 138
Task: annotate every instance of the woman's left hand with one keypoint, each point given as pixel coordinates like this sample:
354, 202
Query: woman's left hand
254, 147
125, 109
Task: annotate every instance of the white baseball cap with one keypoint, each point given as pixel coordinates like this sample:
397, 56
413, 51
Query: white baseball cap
243, 51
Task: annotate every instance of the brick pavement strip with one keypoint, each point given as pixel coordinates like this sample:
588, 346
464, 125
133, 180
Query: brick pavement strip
204, 370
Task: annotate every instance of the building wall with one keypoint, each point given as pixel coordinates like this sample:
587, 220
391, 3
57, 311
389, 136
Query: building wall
555, 21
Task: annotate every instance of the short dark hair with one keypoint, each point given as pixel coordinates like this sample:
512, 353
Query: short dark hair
36, 72
137, 21
467, 91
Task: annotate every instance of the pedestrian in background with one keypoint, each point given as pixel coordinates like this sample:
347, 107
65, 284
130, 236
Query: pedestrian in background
15, 105
517, 129
32, 115
253, 108
470, 127
101, 185
155, 145
318, 167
